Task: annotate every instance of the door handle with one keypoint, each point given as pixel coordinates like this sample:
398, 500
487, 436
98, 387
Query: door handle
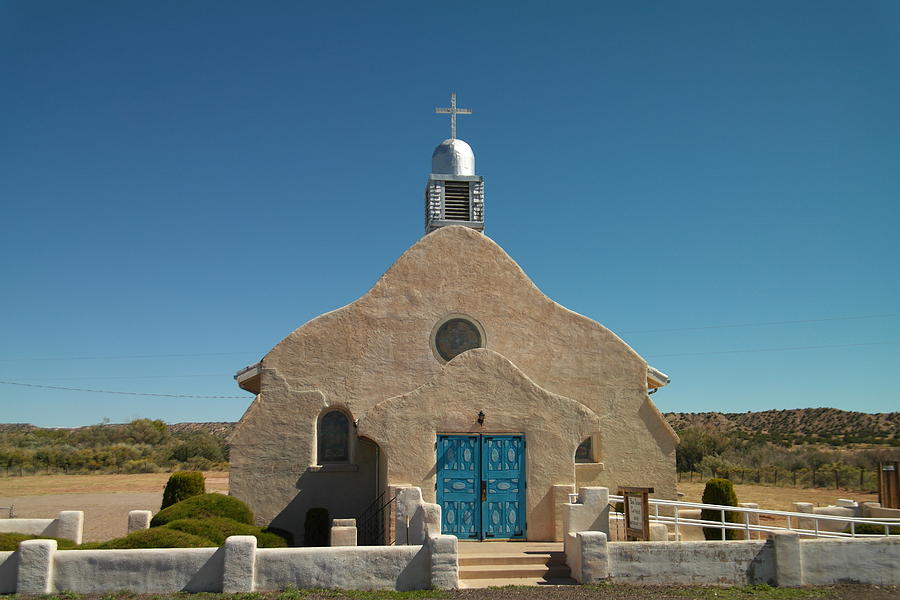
483, 491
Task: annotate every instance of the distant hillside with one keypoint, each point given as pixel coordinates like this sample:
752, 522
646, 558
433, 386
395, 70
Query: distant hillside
220, 429
799, 425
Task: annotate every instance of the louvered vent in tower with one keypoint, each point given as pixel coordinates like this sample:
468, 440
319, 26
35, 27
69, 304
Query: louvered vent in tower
456, 201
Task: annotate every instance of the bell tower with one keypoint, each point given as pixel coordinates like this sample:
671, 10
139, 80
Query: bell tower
454, 194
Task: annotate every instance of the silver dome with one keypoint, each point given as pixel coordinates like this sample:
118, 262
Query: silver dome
453, 157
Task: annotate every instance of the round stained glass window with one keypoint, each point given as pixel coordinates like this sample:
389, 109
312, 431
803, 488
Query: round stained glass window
455, 336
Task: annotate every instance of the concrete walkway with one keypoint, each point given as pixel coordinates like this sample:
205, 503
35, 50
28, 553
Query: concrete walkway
486, 564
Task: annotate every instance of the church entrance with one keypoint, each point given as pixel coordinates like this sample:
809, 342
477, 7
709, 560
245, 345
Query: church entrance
481, 485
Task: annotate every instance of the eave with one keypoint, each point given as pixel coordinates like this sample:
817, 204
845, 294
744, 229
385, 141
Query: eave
248, 378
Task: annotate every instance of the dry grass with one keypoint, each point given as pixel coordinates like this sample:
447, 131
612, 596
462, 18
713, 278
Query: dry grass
779, 498
40, 485
105, 499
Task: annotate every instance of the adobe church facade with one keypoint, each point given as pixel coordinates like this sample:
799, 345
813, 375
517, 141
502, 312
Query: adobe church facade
454, 374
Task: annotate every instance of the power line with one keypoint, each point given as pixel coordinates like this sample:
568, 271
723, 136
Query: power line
631, 331
120, 356
763, 323
772, 349
126, 377
71, 389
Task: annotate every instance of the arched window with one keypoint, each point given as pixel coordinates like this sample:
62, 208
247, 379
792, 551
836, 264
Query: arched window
585, 451
334, 438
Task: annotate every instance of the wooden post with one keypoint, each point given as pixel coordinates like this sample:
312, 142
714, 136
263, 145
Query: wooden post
889, 484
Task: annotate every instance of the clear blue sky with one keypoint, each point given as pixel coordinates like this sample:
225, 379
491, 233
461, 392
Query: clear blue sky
184, 183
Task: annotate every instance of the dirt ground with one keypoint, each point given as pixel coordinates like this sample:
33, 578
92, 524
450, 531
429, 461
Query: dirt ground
106, 499
779, 498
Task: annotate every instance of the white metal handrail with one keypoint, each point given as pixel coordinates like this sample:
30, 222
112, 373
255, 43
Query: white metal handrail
747, 526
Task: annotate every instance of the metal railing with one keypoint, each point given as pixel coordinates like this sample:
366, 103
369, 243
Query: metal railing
372, 522
12, 510
796, 522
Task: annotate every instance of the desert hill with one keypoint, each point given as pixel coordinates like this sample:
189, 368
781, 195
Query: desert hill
798, 425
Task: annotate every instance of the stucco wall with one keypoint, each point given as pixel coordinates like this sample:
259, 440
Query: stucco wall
8, 569
39, 568
785, 560
361, 567
151, 571
483, 380
873, 560
68, 525
379, 347
692, 563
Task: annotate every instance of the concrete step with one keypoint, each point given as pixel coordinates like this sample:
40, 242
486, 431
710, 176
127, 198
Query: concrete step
500, 582
512, 571
512, 559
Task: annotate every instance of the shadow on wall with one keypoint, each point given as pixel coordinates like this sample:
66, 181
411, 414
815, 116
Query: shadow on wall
345, 490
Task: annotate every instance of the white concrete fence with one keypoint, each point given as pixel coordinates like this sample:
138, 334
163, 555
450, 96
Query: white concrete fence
807, 520
424, 558
69, 525
239, 566
784, 559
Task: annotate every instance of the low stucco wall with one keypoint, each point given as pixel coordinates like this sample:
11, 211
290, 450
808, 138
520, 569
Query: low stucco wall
150, 571
699, 563
69, 525
9, 562
39, 568
361, 567
784, 560
873, 560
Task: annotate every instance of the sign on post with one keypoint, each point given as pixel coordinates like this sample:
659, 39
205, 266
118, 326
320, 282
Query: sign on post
637, 512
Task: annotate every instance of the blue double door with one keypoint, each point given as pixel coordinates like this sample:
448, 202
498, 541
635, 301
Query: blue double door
481, 485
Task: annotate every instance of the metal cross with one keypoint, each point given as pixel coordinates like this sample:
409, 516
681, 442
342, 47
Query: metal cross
453, 111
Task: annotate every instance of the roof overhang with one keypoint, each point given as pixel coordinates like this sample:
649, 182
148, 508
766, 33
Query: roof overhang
656, 378
248, 378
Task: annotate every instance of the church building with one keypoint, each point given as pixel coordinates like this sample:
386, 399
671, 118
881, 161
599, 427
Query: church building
455, 374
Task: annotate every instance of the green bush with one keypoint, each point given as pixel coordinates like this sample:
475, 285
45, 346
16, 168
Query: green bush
284, 534
204, 507
317, 527
9, 542
157, 537
183, 485
216, 529
721, 492
870, 529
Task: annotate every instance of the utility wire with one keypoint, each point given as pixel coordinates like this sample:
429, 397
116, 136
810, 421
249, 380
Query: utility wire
762, 323
632, 331
125, 377
71, 389
771, 349
119, 356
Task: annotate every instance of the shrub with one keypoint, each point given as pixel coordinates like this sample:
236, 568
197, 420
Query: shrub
216, 529
204, 507
157, 537
9, 542
284, 534
316, 528
870, 529
721, 492
183, 485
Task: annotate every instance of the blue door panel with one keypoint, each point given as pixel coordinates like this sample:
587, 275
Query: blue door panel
503, 508
481, 486
459, 485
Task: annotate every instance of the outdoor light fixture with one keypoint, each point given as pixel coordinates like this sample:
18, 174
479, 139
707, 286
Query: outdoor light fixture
481, 417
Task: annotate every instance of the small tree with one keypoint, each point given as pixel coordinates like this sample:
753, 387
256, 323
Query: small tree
181, 485
721, 492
